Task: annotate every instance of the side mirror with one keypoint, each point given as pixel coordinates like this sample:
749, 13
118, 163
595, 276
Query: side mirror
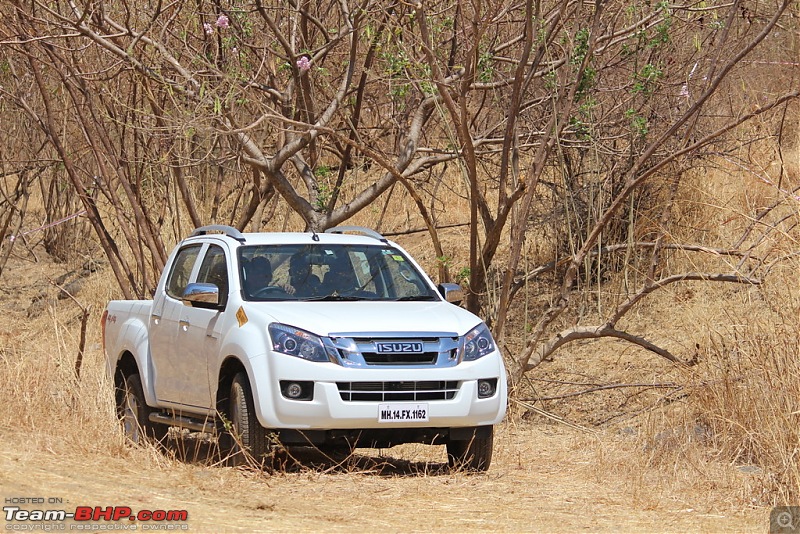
201, 296
452, 293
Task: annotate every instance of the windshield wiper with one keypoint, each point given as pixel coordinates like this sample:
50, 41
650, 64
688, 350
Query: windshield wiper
416, 297
331, 297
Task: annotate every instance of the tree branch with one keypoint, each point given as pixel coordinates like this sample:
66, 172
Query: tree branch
534, 355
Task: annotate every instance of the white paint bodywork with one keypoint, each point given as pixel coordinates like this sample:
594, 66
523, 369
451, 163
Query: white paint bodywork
179, 351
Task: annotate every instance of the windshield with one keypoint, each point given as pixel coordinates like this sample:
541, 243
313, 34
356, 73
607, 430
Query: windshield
329, 272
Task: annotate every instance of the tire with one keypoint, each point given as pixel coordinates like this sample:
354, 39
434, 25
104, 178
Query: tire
245, 436
474, 454
134, 413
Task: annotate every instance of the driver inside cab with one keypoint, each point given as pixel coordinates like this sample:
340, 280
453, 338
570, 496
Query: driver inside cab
257, 275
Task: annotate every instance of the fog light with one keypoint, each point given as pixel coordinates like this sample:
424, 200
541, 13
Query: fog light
487, 388
297, 390
294, 390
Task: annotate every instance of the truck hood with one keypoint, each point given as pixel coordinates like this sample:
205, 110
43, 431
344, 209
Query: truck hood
326, 318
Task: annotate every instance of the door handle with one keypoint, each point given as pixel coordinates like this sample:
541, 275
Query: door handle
156, 318
184, 325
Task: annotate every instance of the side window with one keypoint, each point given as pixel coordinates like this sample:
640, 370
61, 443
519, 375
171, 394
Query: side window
214, 270
181, 270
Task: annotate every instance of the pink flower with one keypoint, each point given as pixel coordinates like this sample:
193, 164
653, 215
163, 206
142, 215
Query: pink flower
207, 28
223, 22
304, 63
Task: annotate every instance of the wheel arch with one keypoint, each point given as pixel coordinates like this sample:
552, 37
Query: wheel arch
229, 369
126, 366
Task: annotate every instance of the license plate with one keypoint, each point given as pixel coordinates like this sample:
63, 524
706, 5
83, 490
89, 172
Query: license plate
402, 413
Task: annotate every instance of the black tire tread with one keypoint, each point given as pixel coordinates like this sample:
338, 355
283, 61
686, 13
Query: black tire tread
251, 435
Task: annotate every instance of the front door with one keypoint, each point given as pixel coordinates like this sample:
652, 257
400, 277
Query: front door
164, 326
198, 340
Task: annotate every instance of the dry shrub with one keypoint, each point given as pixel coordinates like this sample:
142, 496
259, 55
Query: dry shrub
735, 430
749, 396
41, 394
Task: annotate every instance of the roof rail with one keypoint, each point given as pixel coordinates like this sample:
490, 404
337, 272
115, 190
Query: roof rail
229, 231
358, 230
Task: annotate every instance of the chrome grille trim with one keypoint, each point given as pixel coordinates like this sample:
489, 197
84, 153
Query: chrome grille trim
361, 349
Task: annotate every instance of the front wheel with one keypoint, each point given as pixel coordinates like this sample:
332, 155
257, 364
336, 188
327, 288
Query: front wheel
245, 435
134, 413
473, 454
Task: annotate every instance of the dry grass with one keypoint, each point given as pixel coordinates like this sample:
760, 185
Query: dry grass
749, 398
729, 426
41, 394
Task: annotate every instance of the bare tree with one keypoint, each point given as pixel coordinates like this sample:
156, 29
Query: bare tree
612, 106
253, 101
567, 120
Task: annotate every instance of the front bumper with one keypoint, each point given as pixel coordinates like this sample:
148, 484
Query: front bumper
331, 409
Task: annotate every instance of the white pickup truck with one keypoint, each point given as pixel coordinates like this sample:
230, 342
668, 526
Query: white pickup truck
324, 339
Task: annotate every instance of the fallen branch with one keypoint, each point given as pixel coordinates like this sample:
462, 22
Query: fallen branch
545, 413
420, 230
669, 385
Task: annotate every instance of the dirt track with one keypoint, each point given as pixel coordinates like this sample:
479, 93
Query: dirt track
543, 479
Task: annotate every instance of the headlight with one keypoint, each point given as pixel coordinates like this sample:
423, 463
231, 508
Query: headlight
296, 342
478, 343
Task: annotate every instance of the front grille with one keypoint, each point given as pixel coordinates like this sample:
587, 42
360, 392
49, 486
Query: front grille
376, 358
398, 391
394, 349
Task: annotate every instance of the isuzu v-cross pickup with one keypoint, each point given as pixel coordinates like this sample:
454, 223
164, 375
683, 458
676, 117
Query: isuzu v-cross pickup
334, 339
